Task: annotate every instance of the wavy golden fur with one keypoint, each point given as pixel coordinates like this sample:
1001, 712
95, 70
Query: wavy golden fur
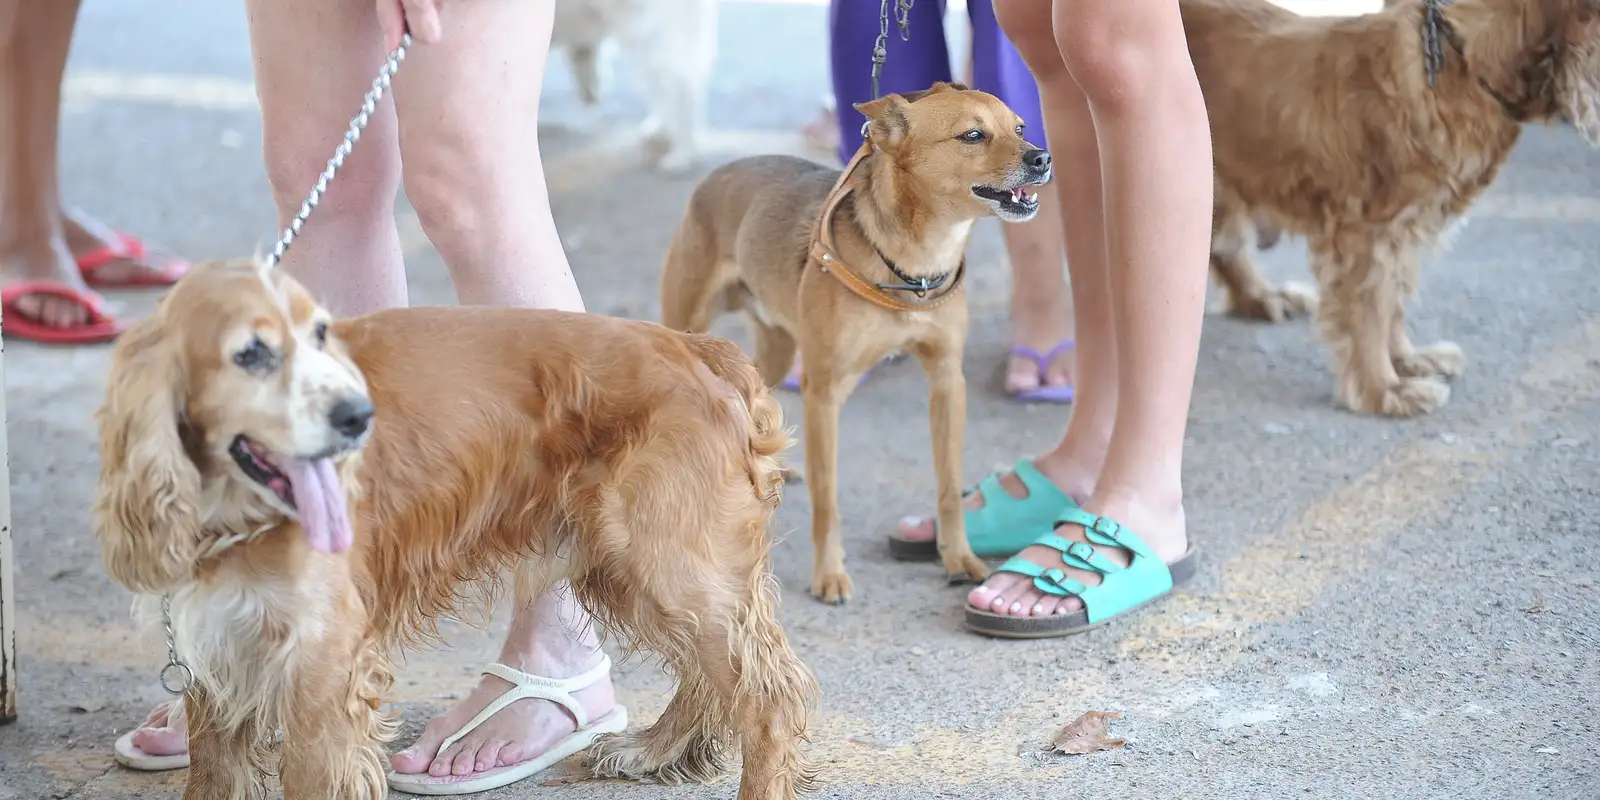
638, 463
1326, 127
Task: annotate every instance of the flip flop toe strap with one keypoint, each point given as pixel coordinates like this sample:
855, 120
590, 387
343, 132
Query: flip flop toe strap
1120, 589
524, 686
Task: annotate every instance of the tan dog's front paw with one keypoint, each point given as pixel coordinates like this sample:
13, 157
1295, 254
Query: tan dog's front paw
831, 587
1407, 398
964, 568
1281, 303
1438, 360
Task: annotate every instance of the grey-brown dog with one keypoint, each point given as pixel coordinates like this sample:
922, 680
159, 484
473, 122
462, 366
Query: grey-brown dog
852, 266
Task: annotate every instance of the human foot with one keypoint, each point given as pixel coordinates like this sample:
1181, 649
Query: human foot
46, 300
1041, 375
1090, 574
106, 257
1004, 512
160, 743
519, 732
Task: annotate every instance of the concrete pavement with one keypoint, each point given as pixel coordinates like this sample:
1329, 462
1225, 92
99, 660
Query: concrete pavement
1385, 609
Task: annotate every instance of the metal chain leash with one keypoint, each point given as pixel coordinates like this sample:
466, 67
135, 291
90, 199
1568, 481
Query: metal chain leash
369, 104
880, 48
176, 677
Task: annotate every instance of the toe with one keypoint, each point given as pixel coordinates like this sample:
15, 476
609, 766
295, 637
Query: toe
489, 755
997, 594
1022, 374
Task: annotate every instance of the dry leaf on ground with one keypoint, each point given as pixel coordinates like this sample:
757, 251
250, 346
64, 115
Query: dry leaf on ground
1087, 734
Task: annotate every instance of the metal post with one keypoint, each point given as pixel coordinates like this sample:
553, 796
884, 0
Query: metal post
8, 581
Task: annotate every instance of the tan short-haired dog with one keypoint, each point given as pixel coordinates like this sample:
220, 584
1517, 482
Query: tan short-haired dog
852, 266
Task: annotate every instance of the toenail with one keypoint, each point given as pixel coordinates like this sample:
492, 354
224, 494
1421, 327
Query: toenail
911, 522
1015, 607
984, 590
1037, 609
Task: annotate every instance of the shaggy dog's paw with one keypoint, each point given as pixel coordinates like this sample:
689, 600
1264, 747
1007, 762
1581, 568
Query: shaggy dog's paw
1407, 398
1281, 303
1438, 360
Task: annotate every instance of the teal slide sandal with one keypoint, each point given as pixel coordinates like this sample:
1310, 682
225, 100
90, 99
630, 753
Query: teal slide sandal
1005, 524
1121, 589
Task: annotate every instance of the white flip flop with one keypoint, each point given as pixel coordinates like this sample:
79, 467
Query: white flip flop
129, 755
523, 685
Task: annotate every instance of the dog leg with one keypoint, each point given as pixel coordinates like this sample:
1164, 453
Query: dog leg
1438, 360
224, 761
775, 349
823, 391
1361, 292
1248, 295
584, 58
333, 729
711, 611
677, 79
947, 419
689, 288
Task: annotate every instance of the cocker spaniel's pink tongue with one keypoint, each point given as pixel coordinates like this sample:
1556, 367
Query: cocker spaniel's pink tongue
320, 499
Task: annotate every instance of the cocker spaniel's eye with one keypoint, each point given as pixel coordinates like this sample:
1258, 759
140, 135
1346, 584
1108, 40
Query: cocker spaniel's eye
973, 135
256, 357
1020, 126
321, 332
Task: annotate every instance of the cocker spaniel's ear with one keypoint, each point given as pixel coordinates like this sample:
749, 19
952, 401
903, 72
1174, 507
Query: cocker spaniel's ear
147, 502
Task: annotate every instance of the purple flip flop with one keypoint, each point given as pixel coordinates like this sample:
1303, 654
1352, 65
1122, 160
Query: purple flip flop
792, 383
1045, 393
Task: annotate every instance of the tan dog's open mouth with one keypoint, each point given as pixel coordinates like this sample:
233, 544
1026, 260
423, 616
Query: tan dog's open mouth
309, 487
1019, 203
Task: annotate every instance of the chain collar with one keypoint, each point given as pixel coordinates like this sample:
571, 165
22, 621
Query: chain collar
919, 285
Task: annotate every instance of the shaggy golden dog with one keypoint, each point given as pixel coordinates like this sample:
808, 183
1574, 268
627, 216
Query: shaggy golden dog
637, 462
1327, 127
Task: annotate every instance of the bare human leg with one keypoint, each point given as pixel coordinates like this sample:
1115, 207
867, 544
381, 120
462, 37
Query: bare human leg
480, 193
1076, 461
1130, 61
34, 39
40, 238
350, 256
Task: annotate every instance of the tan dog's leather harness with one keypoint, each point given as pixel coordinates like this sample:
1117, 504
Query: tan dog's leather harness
825, 256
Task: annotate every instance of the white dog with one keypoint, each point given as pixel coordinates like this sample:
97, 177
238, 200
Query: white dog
672, 45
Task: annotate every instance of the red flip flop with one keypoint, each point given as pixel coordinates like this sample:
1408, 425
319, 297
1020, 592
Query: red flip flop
131, 248
101, 327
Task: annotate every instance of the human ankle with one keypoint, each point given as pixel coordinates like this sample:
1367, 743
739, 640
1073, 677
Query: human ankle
564, 660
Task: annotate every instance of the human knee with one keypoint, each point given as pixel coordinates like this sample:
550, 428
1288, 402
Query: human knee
1118, 57
1027, 26
295, 155
453, 189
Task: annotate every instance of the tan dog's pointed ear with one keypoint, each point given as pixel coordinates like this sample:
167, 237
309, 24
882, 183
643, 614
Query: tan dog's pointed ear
886, 120
147, 502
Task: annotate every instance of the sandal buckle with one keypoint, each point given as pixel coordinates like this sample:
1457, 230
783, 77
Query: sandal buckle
1109, 528
1081, 551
